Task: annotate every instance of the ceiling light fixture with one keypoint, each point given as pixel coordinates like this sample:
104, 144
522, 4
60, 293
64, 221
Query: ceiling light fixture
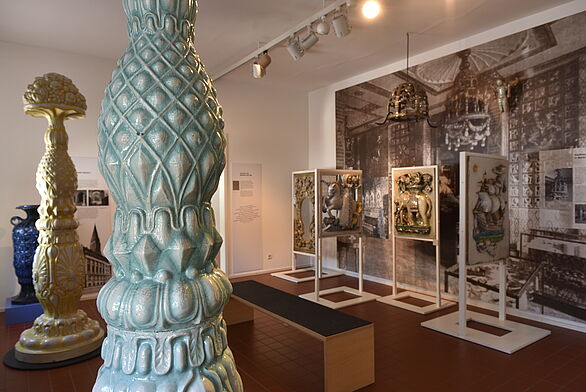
311, 39
371, 9
407, 102
319, 21
323, 27
340, 24
259, 66
294, 48
467, 122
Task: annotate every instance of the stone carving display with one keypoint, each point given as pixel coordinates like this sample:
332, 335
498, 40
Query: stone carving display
304, 210
161, 151
488, 212
63, 331
414, 199
24, 239
341, 203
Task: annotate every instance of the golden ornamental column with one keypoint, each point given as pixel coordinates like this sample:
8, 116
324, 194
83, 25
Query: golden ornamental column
63, 331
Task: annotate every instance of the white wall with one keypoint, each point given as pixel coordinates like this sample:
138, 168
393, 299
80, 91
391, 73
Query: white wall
267, 125
21, 137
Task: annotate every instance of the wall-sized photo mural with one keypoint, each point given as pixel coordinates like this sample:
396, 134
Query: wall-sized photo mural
522, 96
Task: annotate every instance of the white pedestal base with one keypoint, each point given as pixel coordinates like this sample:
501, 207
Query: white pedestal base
286, 275
394, 300
361, 297
521, 335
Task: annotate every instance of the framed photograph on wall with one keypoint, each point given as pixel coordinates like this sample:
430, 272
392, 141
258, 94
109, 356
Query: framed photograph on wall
487, 210
415, 202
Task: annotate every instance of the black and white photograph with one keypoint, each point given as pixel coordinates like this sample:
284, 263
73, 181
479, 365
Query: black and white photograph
559, 184
580, 214
80, 198
376, 207
527, 89
98, 197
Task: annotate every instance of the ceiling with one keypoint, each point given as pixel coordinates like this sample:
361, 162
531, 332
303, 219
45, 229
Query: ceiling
228, 30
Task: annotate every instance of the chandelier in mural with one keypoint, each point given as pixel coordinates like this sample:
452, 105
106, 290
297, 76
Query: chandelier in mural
467, 123
407, 103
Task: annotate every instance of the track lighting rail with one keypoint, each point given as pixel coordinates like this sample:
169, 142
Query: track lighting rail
283, 37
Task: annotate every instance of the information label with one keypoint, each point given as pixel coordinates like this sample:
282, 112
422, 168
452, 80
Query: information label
246, 217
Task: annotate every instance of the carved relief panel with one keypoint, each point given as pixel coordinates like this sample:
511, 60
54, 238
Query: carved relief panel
304, 212
415, 202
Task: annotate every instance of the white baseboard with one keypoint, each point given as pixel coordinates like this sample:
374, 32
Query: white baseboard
568, 324
258, 272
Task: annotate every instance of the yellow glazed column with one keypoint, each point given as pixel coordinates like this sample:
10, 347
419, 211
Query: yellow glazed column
63, 331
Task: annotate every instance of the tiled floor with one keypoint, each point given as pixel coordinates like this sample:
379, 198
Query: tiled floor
273, 357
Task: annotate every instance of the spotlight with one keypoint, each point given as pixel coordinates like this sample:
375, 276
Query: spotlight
371, 9
341, 25
311, 39
259, 67
322, 28
294, 48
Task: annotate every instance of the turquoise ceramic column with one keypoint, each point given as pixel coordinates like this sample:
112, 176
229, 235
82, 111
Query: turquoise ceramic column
161, 150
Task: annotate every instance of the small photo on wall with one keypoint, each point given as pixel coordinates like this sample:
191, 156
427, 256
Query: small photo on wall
80, 198
559, 184
98, 197
580, 214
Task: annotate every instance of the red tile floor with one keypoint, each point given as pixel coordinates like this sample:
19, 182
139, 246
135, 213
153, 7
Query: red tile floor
273, 357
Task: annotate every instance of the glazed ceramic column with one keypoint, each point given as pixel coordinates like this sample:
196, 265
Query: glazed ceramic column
63, 331
161, 151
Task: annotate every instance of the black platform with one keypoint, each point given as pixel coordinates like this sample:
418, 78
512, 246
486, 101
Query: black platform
315, 317
11, 361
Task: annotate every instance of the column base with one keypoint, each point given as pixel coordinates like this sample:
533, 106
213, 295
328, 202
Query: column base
13, 363
23, 354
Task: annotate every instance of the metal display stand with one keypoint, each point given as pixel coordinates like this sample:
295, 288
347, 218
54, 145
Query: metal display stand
456, 324
289, 275
360, 296
398, 299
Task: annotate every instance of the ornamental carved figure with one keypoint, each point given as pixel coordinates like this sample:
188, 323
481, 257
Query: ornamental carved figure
62, 331
340, 205
413, 203
303, 206
490, 210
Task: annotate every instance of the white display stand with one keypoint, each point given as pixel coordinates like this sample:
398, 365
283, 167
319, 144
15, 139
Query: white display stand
361, 296
455, 324
396, 298
321, 272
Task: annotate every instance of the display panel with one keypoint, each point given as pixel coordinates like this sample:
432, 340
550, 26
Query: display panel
487, 210
415, 202
304, 212
340, 202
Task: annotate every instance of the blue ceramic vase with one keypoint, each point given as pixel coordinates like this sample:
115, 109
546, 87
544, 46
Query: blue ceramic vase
161, 150
24, 239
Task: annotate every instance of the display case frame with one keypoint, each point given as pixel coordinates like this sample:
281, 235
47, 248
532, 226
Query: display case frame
419, 197
456, 324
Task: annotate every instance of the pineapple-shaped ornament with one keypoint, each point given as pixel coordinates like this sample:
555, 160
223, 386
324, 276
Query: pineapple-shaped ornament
161, 151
